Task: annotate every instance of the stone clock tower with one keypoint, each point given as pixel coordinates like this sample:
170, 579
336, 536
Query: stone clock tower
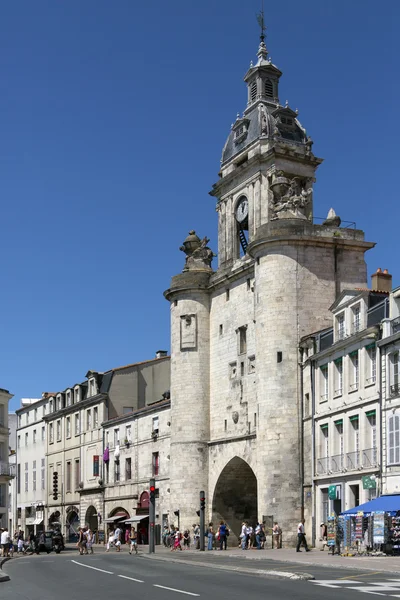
235, 332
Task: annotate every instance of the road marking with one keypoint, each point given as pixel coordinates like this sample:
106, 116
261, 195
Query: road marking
362, 575
175, 590
89, 567
333, 583
131, 578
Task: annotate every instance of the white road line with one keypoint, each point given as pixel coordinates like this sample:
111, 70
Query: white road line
175, 590
89, 567
334, 583
131, 578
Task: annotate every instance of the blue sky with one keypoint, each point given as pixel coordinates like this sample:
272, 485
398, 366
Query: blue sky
113, 118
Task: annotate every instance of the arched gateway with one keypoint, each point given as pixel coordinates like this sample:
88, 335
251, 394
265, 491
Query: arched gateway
235, 496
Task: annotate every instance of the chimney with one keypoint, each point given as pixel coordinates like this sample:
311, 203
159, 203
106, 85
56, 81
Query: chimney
161, 353
381, 281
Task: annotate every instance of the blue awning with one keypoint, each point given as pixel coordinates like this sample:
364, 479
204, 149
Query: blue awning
389, 503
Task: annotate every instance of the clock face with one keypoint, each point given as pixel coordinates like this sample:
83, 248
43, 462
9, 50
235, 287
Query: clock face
242, 210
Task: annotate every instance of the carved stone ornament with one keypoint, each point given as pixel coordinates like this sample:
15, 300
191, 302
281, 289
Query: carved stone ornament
291, 196
198, 255
235, 416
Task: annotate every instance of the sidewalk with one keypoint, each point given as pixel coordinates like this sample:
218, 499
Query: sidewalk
284, 555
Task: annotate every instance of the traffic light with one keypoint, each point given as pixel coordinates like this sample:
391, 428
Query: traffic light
152, 490
202, 501
55, 485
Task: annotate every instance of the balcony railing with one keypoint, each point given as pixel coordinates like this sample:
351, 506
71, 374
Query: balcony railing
395, 390
336, 463
7, 470
369, 457
322, 466
353, 461
395, 324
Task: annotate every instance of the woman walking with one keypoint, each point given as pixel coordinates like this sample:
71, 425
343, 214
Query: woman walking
110, 539
210, 536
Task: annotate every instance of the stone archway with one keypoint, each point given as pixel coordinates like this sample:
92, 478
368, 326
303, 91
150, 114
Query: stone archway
91, 519
235, 496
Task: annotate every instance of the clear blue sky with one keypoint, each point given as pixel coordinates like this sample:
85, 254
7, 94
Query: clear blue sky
113, 118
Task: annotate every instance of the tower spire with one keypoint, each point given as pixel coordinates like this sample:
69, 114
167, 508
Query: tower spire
262, 49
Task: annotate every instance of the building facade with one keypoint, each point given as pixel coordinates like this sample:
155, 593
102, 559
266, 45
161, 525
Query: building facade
6, 471
342, 405
390, 389
235, 332
31, 464
78, 440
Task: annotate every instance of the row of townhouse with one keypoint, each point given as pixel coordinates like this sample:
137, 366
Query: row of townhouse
85, 455
351, 403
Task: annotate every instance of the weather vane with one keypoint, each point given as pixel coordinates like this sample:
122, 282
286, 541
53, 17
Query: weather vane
261, 22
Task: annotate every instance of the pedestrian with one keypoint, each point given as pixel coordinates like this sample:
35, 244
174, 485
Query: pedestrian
127, 535
4, 543
243, 535
81, 541
110, 541
276, 536
186, 539
222, 531
324, 536
117, 539
177, 541
250, 536
89, 540
133, 541
210, 535
301, 537
20, 542
258, 532
165, 535
196, 536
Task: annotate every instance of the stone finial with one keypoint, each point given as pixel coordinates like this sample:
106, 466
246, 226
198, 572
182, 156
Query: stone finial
332, 220
198, 255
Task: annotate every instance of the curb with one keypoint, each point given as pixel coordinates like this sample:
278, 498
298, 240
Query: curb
3, 578
262, 572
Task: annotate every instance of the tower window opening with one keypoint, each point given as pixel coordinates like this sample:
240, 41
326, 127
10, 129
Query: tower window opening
253, 91
242, 340
268, 88
287, 120
239, 131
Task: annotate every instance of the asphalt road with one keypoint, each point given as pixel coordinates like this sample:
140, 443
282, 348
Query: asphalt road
108, 576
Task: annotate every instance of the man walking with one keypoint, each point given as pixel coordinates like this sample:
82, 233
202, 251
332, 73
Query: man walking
301, 537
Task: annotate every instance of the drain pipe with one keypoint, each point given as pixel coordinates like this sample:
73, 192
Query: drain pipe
301, 365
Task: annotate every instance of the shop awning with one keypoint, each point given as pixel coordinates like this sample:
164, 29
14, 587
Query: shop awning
118, 517
389, 503
38, 521
135, 519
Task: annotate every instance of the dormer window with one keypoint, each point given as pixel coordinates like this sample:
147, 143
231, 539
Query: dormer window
76, 393
356, 310
59, 404
268, 88
240, 131
51, 406
340, 326
68, 398
287, 121
253, 91
92, 387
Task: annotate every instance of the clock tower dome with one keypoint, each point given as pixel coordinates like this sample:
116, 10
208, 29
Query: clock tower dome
267, 166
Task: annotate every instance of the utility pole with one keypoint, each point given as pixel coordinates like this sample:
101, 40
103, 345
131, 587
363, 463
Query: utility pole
152, 515
202, 523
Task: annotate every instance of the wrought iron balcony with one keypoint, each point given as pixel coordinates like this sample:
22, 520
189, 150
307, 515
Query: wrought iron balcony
7, 470
395, 325
353, 461
395, 390
369, 457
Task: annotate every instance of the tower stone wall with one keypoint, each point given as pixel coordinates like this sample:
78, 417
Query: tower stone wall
190, 388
